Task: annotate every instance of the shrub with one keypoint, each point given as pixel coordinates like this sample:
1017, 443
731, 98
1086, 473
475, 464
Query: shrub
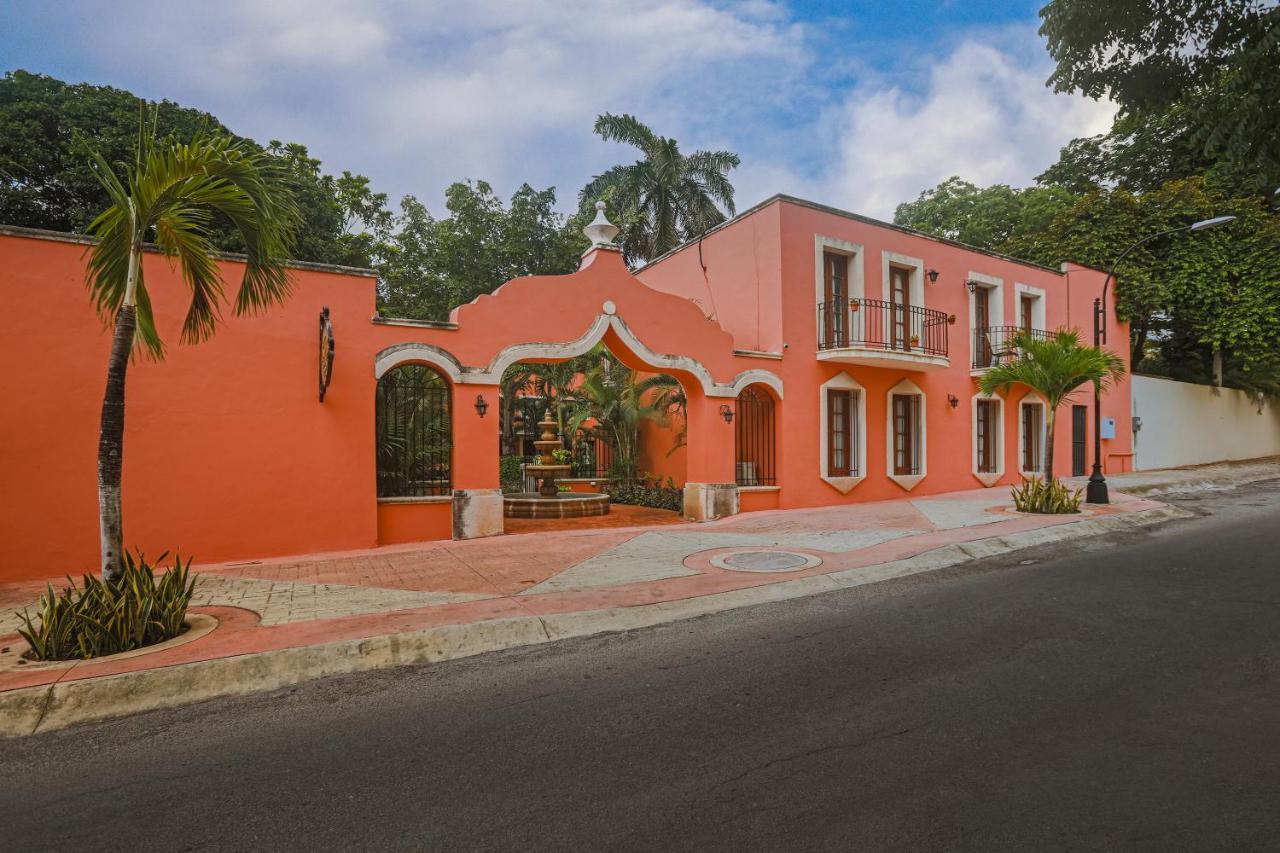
509, 473
105, 618
643, 493
1035, 495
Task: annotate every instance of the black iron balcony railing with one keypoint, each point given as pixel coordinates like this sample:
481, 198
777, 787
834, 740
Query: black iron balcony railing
876, 324
993, 345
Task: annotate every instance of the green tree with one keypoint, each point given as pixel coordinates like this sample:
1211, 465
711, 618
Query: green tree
985, 217
430, 266
1218, 61
46, 182
1184, 296
664, 198
169, 194
1053, 368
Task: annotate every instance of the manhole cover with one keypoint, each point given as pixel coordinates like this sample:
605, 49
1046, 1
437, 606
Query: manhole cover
765, 561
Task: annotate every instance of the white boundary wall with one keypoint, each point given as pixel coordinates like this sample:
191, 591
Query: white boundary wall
1186, 424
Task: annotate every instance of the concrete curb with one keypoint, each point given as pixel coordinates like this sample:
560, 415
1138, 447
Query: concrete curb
30, 710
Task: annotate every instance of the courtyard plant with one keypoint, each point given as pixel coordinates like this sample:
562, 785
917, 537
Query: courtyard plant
1055, 368
101, 618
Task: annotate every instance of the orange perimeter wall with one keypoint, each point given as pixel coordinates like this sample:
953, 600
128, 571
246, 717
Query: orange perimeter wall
228, 453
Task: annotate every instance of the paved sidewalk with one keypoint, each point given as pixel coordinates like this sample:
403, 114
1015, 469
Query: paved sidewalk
343, 612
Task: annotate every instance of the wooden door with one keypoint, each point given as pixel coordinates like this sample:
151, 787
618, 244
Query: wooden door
1025, 306
900, 307
835, 299
983, 355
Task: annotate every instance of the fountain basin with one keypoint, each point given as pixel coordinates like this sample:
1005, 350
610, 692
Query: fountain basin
562, 505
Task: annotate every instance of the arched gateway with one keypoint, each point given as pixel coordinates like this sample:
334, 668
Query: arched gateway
553, 318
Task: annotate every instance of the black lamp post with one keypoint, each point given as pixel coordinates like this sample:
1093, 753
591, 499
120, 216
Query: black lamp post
1096, 493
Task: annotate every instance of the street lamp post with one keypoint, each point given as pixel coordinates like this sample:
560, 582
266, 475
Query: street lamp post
1096, 493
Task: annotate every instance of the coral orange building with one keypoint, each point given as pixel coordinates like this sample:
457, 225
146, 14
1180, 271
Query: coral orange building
825, 357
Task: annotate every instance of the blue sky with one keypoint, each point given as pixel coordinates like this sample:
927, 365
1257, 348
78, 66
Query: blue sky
858, 104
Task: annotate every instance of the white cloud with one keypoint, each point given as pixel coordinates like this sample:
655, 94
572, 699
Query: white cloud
417, 95
985, 115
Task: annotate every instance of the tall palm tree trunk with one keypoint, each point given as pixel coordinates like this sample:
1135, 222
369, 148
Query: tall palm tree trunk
1049, 423
111, 433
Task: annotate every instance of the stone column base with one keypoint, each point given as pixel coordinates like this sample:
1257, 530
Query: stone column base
709, 501
477, 513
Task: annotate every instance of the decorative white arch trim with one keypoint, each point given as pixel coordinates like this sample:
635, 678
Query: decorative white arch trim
492, 374
394, 356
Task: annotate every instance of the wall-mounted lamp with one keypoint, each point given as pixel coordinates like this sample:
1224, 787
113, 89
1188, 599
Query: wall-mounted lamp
726, 412
953, 400
933, 276
482, 405
972, 285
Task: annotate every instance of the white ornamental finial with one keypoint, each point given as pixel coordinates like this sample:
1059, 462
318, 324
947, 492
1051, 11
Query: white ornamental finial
601, 231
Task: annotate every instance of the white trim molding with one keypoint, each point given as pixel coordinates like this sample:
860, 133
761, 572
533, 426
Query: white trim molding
1037, 307
988, 478
857, 284
1032, 398
906, 481
445, 361
916, 283
857, 419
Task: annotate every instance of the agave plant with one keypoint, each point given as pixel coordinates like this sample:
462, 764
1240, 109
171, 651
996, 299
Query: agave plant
104, 618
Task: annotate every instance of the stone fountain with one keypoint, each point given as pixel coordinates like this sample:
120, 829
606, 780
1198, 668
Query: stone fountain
549, 501
546, 469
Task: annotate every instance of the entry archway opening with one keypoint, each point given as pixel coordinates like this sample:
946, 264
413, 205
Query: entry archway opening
622, 428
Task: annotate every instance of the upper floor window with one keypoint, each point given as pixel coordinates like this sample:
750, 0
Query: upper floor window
835, 299
1026, 312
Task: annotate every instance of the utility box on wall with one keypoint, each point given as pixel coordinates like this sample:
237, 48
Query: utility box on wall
1108, 428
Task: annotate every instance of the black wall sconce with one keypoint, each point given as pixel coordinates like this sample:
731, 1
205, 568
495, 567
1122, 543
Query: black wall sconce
972, 285
726, 412
933, 276
482, 405
953, 400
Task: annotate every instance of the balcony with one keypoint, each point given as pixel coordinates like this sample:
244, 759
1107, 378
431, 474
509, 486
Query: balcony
876, 333
994, 345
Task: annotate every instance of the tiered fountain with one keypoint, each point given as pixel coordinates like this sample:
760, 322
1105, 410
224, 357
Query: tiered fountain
549, 501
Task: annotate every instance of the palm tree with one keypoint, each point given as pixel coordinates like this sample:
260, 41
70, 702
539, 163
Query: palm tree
610, 395
1054, 368
665, 198
172, 194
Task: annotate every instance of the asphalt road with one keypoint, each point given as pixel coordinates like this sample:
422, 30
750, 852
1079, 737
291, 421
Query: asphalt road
1120, 694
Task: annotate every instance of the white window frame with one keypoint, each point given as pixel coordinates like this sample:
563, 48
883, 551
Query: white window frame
857, 284
1032, 398
915, 283
907, 481
996, 301
1038, 319
989, 478
858, 417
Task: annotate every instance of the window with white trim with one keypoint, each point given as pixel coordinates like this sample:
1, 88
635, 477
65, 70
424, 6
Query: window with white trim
987, 431
1032, 439
907, 435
